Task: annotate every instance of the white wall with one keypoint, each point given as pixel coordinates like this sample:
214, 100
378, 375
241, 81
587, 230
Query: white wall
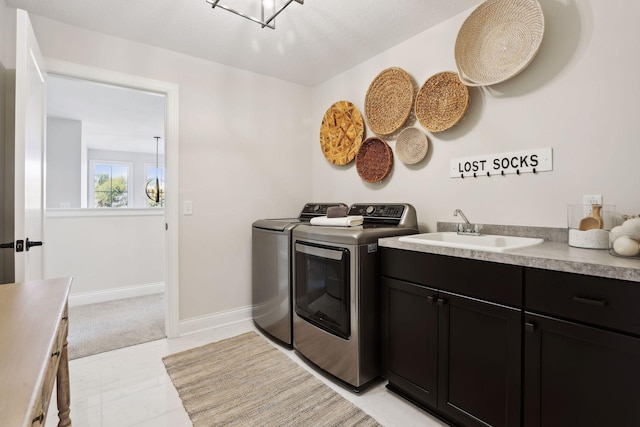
244, 154
65, 174
579, 96
64, 152
248, 142
105, 250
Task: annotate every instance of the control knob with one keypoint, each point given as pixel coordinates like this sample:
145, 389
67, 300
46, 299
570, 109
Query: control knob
370, 210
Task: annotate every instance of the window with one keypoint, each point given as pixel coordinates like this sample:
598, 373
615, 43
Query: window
151, 173
110, 185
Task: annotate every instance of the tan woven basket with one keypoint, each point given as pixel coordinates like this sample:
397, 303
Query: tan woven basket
389, 100
374, 160
498, 40
412, 145
341, 133
442, 101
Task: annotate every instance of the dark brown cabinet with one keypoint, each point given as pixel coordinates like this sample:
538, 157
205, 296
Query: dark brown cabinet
488, 344
582, 351
448, 349
479, 362
410, 328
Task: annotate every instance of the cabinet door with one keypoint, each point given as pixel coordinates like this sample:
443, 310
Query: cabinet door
578, 375
480, 362
410, 339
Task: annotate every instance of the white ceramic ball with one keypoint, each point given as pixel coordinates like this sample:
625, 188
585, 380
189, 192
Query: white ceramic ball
616, 232
626, 246
632, 226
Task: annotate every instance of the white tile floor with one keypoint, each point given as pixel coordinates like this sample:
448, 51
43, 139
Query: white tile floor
130, 387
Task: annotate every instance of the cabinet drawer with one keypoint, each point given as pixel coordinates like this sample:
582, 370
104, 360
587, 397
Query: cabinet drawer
489, 281
409, 266
54, 361
598, 301
577, 375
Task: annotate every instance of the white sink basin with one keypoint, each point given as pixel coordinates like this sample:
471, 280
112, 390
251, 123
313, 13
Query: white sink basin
485, 242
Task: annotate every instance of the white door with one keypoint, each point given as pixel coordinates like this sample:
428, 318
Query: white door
30, 127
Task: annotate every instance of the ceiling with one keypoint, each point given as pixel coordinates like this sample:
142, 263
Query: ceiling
113, 118
312, 42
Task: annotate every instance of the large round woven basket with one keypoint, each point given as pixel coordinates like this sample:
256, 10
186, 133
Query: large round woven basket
374, 160
412, 145
389, 100
442, 101
341, 132
498, 40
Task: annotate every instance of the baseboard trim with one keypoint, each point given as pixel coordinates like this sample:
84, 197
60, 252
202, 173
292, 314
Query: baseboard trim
116, 294
216, 320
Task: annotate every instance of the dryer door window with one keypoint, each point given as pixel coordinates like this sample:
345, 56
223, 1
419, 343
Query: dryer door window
322, 286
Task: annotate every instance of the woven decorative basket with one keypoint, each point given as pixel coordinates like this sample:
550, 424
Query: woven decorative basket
412, 145
374, 160
442, 101
498, 40
389, 100
341, 132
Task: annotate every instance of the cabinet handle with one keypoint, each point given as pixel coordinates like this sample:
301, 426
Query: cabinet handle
38, 419
441, 302
431, 299
529, 326
590, 301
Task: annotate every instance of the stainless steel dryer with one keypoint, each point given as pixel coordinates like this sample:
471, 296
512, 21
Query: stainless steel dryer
271, 271
336, 321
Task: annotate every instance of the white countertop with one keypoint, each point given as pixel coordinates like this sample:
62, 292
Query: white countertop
548, 255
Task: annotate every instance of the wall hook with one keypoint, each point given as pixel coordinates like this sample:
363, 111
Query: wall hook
502, 173
518, 171
488, 174
534, 170
462, 175
474, 175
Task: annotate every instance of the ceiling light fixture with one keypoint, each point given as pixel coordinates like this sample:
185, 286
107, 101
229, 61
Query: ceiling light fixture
269, 5
155, 189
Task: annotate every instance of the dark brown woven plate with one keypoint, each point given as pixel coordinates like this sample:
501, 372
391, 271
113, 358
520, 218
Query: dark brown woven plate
374, 160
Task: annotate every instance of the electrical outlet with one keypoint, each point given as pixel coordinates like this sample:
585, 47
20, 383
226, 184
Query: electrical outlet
591, 199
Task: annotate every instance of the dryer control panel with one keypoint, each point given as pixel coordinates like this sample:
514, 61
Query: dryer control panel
401, 214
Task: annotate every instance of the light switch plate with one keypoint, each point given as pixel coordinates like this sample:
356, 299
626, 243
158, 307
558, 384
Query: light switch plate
187, 208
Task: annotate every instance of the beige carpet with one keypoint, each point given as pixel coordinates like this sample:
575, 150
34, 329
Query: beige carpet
245, 381
106, 326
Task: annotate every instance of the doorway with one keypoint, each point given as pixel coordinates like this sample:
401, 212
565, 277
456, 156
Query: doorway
166, 151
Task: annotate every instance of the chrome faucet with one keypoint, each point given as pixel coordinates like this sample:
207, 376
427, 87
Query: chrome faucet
467, 227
